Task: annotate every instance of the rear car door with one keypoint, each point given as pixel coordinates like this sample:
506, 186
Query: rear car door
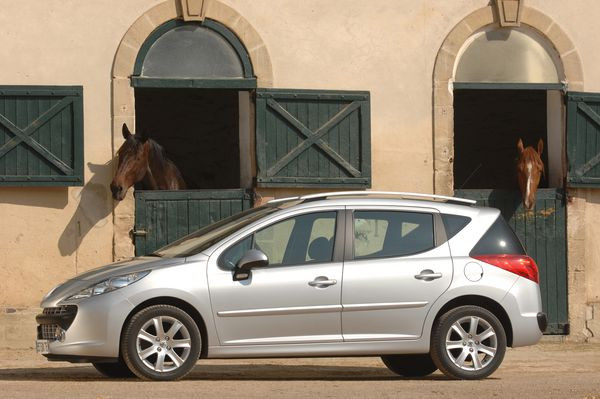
296, 298
397, 264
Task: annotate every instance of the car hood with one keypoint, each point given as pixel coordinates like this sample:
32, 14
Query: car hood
99, 274
128, 266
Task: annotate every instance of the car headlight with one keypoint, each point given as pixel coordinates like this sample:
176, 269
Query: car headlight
110, 284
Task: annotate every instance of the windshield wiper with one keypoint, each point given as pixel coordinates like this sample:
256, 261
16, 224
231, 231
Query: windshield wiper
155, 254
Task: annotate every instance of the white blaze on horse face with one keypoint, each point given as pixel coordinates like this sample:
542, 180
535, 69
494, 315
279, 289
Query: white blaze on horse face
528, 190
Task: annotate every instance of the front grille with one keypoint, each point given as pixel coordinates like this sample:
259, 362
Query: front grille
60, 310
48, 331
54, 321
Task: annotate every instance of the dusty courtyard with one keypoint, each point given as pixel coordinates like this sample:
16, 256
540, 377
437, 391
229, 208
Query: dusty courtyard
549, 370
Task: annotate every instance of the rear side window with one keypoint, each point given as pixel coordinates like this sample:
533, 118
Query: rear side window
499, 240
381, 234
454, 224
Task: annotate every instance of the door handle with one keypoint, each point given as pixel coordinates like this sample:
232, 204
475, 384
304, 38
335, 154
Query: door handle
427, 275
322, 282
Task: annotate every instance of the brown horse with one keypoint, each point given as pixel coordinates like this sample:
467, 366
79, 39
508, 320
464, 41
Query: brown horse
143, 160
530, 169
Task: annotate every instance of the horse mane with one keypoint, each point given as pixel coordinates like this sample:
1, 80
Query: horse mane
157, 159
157, 154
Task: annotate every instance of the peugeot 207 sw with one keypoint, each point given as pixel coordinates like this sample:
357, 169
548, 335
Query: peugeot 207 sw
425, 282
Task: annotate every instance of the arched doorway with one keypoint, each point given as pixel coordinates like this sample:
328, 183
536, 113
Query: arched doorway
491, 85
191, 84
509, 87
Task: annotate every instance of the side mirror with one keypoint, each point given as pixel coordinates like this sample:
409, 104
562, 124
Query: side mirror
251, 259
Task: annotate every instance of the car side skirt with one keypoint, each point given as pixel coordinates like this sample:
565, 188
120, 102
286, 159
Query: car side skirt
370, 348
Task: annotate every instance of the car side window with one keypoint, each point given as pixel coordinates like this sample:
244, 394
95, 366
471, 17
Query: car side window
233, 254
381, 234
302, 239
306, 238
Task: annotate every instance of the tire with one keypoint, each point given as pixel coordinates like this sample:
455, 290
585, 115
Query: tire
410, 365
114, 370
468, 343
147, 343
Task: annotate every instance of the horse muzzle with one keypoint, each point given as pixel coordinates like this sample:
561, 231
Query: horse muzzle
118, 192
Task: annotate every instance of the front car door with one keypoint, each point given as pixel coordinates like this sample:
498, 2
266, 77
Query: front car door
386, 291
296, 299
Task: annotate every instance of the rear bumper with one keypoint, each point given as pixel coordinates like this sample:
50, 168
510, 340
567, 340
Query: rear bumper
542, 321
523, 304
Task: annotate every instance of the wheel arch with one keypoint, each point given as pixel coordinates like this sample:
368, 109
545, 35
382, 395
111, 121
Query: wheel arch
484, 302
179, 303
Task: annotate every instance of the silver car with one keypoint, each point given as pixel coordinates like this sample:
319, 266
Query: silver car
426, 282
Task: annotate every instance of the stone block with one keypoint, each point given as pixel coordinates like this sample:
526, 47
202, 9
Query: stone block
262, 66
124, 61
480, 18
536, 19
221, 12
139, 31
123, 99
572, 67
444, 66
247, 34
559, 39
164, 12
18, 330
456, 38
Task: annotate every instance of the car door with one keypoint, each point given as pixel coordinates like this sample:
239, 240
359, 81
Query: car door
296, 298
396, 267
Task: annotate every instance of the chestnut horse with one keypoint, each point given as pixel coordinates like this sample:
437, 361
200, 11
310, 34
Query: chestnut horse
530, 169
143, 160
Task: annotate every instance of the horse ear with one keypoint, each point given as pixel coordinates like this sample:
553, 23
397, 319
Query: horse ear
520, 146
126, 132
540, 147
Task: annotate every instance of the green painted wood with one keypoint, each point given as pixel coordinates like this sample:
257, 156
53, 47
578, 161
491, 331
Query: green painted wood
583, 139
208, 23
509, 86
313, 138
162, 217
543, 233
142, 82
41, 135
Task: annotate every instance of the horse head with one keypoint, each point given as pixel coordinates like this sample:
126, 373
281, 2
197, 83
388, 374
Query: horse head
530, 169
132, 165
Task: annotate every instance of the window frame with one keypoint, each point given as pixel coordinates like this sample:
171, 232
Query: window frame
439, 232
338, 243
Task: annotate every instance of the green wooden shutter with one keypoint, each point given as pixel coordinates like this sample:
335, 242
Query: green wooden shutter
313, 138
41, 136
583, 139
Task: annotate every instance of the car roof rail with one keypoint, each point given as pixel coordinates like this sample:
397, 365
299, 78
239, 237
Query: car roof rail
402, 195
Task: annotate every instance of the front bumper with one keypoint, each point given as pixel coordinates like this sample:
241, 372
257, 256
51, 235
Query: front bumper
87, 330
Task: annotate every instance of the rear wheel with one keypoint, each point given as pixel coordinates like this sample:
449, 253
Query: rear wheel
410, 365
114, 370
468, 343
161, 342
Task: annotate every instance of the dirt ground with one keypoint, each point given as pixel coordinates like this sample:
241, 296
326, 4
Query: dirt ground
549, 370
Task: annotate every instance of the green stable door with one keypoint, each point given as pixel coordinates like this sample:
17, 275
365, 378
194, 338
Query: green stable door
542, 232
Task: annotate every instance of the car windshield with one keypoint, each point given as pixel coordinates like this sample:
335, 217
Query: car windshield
207, 236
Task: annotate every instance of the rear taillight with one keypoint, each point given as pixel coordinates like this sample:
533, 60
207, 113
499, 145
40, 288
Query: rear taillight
522, 265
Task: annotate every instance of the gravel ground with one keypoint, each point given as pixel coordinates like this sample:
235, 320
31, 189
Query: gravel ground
549, 370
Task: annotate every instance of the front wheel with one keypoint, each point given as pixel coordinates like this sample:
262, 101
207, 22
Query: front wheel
161, 342
410, 365
468, 343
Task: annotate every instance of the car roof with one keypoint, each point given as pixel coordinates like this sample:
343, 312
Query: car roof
447, 204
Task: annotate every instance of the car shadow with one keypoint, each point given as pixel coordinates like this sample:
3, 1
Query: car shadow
226, 372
